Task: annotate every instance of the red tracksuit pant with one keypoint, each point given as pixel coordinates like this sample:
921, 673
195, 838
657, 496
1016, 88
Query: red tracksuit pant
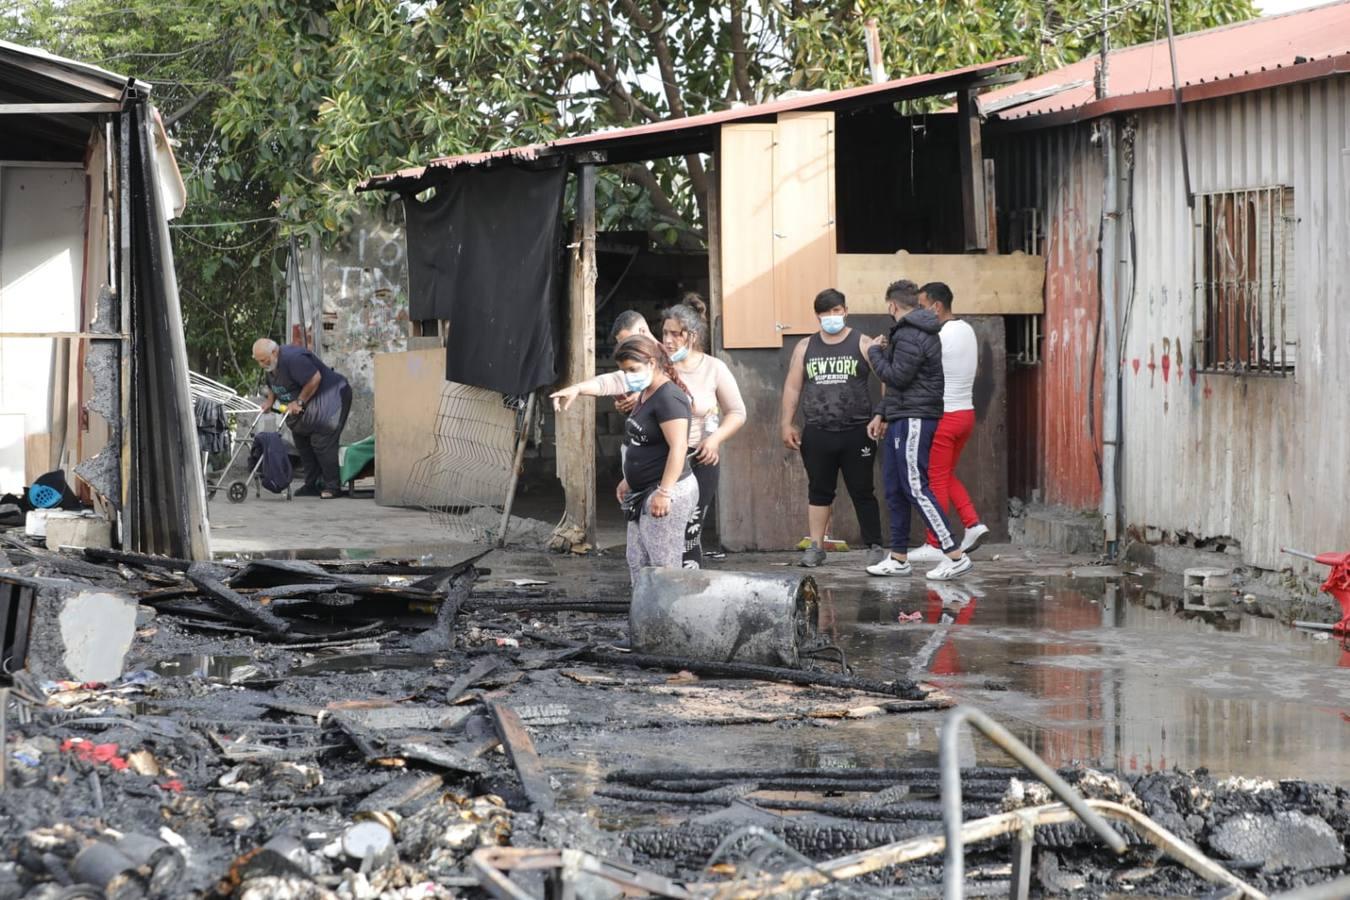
950, 439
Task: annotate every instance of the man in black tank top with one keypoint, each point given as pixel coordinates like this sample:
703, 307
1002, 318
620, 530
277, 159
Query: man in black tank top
828, 379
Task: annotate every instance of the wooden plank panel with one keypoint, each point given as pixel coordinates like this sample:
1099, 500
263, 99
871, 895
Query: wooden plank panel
985, 285
745, 172
408, 389
520, 748
803, 218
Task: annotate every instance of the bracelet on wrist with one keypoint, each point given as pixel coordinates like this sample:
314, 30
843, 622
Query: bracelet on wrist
664, 491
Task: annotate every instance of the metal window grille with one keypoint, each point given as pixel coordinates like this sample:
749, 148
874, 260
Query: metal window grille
1244, 253
1024, 332
467, 478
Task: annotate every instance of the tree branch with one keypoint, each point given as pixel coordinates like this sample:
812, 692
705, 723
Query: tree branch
195, 101
610, 84
642, 176
740, 53
655, 28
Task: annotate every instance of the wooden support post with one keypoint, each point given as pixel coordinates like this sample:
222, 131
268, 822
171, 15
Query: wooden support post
716, 334
714, 225
974, 213
516, 463
991, 207
575, 428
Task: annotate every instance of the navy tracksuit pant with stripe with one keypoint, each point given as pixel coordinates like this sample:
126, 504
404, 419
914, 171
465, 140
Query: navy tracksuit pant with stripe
904, 467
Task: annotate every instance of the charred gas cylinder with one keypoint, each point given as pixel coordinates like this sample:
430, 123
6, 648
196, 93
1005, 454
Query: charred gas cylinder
723, 616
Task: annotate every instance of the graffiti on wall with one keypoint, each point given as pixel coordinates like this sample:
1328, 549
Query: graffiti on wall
364, 285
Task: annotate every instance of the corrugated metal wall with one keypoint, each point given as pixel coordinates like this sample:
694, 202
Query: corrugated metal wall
1054, 409
1265, 461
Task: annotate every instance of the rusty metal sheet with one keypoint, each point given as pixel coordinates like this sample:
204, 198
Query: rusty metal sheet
1247, 56
1054, 409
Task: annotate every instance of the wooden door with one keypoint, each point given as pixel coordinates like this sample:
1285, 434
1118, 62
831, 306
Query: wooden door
746, 167
803, 218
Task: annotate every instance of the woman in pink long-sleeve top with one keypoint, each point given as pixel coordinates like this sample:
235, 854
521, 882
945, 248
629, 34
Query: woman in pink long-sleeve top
717, 409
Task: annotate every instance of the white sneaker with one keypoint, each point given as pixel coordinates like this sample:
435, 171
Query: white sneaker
950, 568
926, 553
974, 536
890, 566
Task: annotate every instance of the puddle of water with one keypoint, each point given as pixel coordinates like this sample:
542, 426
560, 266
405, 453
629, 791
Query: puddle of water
1107, 674
365, 662
1117, 675
230, 669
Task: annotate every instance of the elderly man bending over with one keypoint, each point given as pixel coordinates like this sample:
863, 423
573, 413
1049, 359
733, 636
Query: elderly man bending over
317, 403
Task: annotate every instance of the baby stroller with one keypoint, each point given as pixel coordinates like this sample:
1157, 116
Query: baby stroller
269, 462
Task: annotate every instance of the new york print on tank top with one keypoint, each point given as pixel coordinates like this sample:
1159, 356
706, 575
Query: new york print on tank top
834, 394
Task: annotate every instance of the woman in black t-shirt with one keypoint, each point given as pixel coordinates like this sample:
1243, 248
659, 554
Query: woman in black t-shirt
657, 492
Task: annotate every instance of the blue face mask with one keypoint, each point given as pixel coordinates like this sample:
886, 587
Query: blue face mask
831, 324
679, 354
639, 380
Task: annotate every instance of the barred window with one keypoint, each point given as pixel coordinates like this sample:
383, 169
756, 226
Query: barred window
1023, 229
1244, 253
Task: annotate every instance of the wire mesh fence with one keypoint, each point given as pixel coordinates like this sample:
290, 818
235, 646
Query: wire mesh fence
466, 480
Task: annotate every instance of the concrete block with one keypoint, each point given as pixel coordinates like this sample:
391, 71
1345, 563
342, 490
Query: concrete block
80, 633
1208, 579
1057, 529
84, 531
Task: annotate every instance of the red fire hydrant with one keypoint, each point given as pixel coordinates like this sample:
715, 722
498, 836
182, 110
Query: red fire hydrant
1337, 583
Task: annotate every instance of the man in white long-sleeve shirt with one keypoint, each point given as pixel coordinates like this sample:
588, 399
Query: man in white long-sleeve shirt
960, 360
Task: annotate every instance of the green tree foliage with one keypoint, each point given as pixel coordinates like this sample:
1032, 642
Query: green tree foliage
281, 107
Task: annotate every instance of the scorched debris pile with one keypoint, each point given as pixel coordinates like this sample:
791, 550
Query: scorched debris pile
289, 729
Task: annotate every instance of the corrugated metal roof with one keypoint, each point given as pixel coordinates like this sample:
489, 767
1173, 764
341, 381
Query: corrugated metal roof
671, 130
1259, 53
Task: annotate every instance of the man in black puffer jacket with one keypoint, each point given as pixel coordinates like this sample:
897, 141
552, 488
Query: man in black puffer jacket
909, 364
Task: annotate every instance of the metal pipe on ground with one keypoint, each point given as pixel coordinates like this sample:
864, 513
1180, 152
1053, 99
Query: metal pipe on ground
723, 616
953, 873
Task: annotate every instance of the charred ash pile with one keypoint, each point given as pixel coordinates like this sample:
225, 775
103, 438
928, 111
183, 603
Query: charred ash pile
279, 729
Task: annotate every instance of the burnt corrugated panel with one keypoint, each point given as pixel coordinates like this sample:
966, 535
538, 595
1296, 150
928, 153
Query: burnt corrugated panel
1261, 460
1055, 410
166, 497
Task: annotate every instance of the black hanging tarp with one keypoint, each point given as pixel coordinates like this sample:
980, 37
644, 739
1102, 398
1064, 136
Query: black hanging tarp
483, 253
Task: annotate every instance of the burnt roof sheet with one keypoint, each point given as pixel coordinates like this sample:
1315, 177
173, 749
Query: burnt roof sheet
28, 74
1264, 52
695, 133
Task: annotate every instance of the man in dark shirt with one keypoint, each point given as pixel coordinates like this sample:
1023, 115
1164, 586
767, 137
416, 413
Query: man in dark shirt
828, 378
317, 403
909, 365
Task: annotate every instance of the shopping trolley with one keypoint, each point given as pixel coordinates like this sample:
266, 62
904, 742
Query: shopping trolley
245, 411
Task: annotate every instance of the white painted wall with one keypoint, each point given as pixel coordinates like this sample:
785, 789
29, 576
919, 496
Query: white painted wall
42, 212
